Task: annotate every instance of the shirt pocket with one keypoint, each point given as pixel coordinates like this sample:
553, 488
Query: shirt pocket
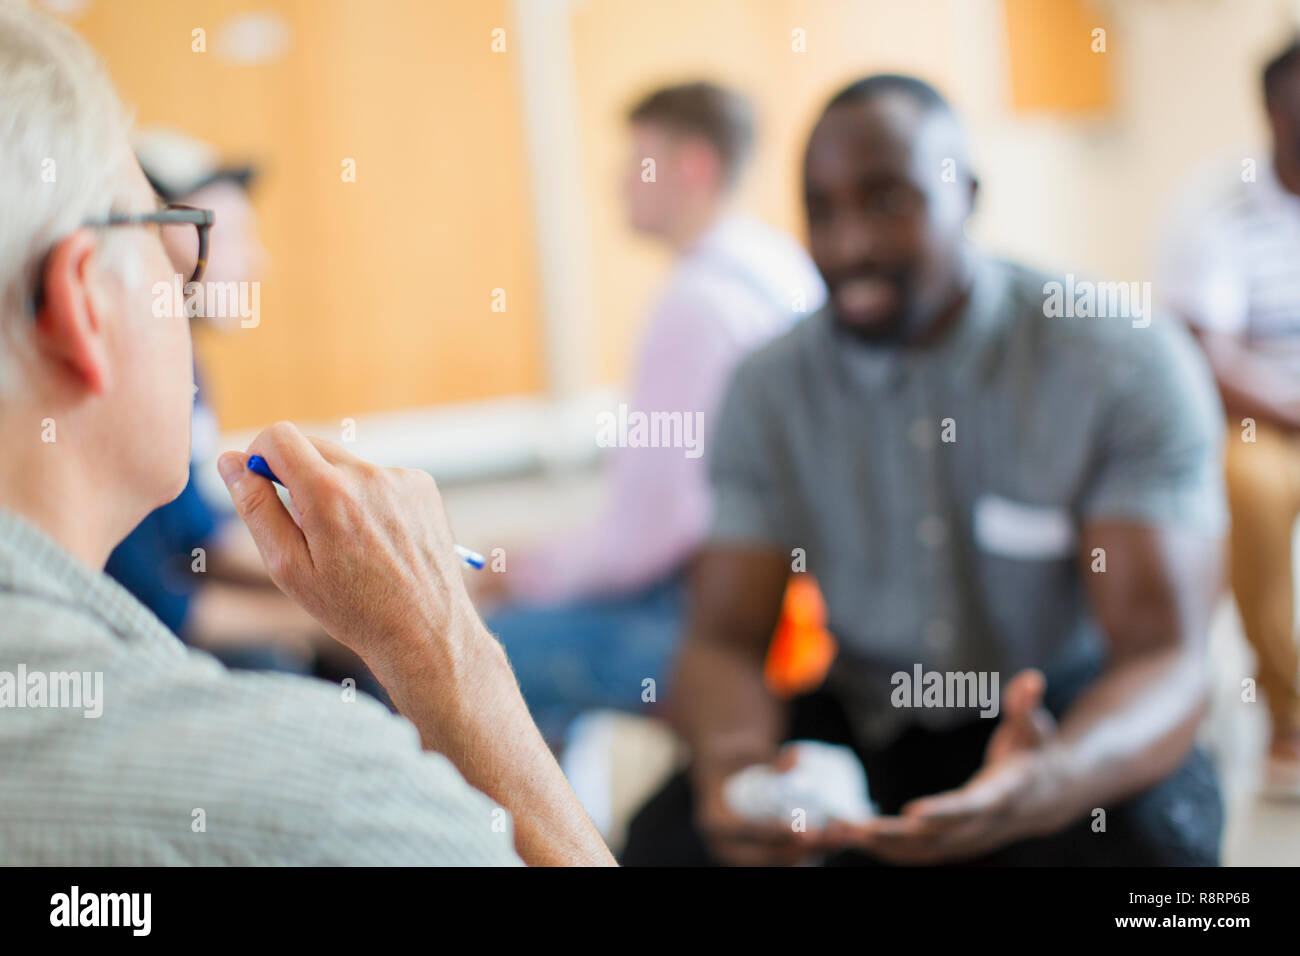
1024, 532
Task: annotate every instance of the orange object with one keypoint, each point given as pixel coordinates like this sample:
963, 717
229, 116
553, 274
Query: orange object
802, 649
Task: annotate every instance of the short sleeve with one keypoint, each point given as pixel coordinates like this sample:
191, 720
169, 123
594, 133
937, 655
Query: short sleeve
741, 469
1158, 452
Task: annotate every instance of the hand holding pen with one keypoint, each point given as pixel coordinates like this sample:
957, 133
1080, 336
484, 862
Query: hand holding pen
472, 559
372, 558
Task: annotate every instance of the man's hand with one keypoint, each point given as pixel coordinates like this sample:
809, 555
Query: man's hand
997, 806
370, 555
735, 841
1252, 383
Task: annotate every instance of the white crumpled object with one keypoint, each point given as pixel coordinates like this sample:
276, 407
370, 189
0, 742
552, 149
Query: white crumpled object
827, 782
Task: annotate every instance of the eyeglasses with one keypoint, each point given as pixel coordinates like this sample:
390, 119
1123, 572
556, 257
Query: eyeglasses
184, 232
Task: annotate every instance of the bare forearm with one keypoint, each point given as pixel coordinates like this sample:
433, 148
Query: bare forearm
722, 705
496, 746
1135, 724
1243, 399
1127, 731
1252, 385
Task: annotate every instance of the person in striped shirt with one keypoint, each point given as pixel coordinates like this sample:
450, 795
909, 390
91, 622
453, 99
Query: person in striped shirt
1229, 264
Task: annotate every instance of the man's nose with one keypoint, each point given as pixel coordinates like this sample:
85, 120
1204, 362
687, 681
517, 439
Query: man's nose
854, 240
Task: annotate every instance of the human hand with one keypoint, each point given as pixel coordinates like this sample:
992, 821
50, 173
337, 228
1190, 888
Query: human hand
370, 554
735, 840
995, 807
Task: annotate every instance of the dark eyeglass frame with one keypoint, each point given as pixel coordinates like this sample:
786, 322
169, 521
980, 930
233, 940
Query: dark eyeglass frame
172, 214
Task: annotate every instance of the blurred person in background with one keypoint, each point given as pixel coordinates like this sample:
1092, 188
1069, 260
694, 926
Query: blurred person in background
980, 489
220, 598
1230, 266
589, 616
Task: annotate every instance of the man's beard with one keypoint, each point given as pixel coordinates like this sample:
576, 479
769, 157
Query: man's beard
890, 329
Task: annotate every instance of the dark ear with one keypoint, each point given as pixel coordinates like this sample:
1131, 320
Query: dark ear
69, 323
974, 191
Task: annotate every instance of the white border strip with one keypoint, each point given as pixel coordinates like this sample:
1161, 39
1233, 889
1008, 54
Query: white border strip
543, 43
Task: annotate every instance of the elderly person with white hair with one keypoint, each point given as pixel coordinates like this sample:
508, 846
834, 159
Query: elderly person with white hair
117, 744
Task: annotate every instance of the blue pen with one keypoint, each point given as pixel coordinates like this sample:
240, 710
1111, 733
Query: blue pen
257, 464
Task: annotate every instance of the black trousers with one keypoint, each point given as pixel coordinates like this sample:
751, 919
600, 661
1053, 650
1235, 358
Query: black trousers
1177, 822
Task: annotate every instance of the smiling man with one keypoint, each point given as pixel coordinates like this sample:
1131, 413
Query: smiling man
978, 489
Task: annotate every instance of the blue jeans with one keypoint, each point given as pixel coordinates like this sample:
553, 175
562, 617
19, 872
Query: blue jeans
592, 654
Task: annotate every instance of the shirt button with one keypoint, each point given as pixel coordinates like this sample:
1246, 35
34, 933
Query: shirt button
932, 531
922, 434
938, 636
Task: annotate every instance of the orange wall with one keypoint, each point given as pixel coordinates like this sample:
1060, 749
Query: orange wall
379, 291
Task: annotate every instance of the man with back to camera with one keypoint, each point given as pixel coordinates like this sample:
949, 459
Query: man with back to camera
979, 489
95, 406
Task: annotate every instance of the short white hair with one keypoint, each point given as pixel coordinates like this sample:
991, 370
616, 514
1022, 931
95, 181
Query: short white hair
63, 153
